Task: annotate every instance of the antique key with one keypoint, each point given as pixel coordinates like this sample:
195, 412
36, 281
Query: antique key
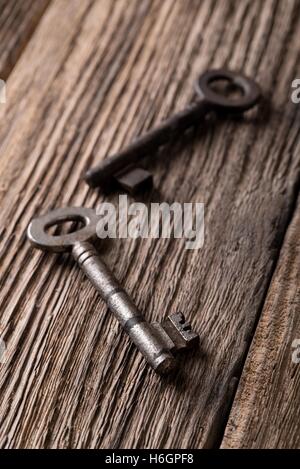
156, 341
121, 168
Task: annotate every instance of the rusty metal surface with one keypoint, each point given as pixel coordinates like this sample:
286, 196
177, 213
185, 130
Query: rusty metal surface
155, 341
105, 174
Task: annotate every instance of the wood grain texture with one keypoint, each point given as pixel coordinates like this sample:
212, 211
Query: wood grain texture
266, 411
101, 72
18, 20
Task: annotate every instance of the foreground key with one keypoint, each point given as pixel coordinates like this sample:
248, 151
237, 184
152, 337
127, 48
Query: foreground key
157, 341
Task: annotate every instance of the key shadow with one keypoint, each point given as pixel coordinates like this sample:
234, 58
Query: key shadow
182, 378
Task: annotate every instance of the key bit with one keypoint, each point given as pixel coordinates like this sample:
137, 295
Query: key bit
176, 332
134, 180
155, 341
210, 100
180, 331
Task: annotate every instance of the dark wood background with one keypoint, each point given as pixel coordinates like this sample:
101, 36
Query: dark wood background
83, 78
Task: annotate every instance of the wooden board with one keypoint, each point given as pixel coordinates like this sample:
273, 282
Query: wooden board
95, 74
266, 412
18, 20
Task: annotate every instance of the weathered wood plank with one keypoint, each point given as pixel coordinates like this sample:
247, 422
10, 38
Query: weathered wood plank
18, 20
101, 72
266, 410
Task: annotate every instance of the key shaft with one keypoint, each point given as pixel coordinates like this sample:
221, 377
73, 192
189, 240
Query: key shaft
118, 301
121, 168
102, 174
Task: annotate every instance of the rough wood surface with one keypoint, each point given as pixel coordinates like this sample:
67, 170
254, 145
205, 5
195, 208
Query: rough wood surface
18, 20
266, 410
101, 72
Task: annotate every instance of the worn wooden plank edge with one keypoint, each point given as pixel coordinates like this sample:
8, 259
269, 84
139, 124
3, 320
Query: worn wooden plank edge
266, 408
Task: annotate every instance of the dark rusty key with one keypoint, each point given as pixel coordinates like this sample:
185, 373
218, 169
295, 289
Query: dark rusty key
121, 167
156, 341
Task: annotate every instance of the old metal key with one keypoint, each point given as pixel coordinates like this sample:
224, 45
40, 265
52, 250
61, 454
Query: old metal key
156, 341
120, 167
